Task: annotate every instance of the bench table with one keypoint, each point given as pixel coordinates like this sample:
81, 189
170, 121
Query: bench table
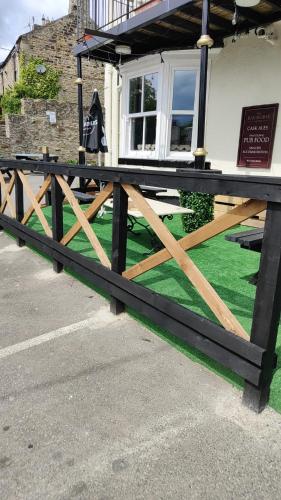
163, 210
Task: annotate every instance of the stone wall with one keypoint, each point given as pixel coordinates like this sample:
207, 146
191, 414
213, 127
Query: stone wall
4, 141
31, 130
54, 43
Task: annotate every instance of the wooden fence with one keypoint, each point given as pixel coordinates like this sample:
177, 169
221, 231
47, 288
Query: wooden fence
227, 342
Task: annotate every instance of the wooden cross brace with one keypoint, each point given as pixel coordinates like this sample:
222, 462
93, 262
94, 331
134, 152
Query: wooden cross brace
35, 205
91, 211
176, 249
41, 193
7, 192
82, 221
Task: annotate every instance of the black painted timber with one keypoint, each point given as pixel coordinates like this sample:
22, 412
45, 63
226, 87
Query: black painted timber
203, 75
256, 187
19, 203
242, 357
119, 239
57, 216
149, 162
267, 306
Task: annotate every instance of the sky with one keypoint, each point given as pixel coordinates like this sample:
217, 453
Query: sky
15, 15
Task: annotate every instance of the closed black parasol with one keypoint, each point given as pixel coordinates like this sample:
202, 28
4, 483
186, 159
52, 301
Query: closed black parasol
94, 139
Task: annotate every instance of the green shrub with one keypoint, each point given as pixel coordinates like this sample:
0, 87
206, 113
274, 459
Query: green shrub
31, 85
10, 102
203, 206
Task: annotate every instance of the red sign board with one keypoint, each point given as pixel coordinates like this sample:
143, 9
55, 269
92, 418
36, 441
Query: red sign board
257, 136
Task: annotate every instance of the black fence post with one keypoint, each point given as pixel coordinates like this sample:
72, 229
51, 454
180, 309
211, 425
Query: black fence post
267, 307
119, 239
57, 216
19, 204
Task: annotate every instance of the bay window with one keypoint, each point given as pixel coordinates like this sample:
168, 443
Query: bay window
159, 106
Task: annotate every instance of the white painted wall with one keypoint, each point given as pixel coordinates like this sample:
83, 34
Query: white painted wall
244, 73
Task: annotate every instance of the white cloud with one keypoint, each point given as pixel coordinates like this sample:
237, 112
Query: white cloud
17, 14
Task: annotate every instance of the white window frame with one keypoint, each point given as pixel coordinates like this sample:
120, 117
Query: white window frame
181, 154
146, 69
173, 61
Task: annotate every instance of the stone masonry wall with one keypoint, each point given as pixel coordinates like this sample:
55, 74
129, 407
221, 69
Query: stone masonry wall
4, 141
54, 43
31, 130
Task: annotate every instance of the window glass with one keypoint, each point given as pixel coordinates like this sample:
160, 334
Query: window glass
150, 133
181, 133
184, 90
135, 95
136, 133
150, 92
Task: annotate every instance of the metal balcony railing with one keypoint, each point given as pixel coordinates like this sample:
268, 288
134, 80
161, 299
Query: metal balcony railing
104, 14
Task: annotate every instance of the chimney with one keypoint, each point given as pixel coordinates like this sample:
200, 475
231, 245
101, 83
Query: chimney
72, 5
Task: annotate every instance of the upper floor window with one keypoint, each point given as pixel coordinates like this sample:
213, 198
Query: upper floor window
143, 93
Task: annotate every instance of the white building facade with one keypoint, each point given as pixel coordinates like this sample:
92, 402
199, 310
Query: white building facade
245, 72
152, 98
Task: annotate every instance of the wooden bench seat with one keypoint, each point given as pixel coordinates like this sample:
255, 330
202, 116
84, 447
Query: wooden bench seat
251, 239
83, 197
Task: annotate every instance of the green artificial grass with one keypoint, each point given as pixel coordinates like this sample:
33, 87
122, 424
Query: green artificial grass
226, 266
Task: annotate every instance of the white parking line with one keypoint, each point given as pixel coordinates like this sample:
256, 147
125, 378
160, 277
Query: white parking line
100, 319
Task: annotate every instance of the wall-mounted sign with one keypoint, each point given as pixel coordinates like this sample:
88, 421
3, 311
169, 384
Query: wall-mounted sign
257, 136
52, 115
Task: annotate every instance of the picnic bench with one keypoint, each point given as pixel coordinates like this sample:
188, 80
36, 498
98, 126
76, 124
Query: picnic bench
35, 157
85, 197
163, 210
151, 191
251, 240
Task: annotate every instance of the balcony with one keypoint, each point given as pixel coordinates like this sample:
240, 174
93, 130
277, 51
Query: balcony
105, 14
158, 25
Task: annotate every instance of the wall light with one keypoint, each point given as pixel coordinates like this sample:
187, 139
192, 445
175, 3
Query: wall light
124, 50
247, 3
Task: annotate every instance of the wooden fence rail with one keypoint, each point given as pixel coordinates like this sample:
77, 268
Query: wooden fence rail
252, 358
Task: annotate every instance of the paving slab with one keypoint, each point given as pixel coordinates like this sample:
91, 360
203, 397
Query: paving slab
96, 407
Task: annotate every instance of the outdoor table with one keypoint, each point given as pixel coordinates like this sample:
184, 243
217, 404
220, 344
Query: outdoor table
35, 157
162, 209
151, 191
